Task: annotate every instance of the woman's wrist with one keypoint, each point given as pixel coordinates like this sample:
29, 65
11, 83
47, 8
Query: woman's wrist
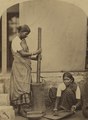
55, 109
73, 108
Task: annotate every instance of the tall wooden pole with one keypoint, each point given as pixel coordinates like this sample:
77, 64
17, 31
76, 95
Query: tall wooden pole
38, 88
39, 56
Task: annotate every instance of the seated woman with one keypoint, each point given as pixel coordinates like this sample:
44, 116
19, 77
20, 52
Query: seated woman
68, 94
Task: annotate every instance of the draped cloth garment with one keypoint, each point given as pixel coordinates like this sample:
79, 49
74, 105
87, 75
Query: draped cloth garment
20, 76
68, 95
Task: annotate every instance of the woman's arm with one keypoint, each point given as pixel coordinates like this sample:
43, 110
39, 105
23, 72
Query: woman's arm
78, 97
56, 104
56, 107
34, 58
76, 106
25, 54
37, 52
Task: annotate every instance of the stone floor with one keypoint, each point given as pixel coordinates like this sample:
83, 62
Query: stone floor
77, 116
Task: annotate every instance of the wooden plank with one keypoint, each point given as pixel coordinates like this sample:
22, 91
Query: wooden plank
34, 112
60, 115
34, 116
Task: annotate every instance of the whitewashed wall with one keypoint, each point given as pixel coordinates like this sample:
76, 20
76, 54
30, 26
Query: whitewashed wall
79, 63
63, 33
4, 4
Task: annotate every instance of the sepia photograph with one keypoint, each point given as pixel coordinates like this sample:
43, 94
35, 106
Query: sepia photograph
43, 59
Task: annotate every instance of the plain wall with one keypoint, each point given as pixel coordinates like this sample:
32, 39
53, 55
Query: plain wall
63, 33
83, 4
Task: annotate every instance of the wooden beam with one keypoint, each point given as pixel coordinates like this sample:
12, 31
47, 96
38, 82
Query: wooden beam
39, 56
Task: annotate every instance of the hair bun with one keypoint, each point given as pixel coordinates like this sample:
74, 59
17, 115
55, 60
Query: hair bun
24, 28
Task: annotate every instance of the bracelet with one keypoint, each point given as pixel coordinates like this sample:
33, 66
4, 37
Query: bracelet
55, 109
74, 106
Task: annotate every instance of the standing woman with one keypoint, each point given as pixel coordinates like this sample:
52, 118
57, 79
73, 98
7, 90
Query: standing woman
21, 69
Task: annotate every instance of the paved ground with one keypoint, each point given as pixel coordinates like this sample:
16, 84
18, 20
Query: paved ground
76, 116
